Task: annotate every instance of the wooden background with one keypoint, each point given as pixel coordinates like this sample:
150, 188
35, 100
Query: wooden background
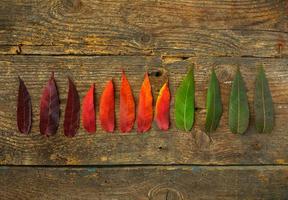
91, 41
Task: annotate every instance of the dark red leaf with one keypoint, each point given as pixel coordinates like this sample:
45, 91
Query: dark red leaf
24, 109
88, 111
107, 108
49, 108
72, 111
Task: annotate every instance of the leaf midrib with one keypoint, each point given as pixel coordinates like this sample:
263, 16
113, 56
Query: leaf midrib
238, 111
214, 104
185, 126
263, 104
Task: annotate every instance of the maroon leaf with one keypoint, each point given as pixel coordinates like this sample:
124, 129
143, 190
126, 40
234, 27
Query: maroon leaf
49, 108
24, 109
72, 111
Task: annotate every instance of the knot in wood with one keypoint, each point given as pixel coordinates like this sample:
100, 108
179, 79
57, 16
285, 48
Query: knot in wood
70, 6
143, 38
225, 73
161, 191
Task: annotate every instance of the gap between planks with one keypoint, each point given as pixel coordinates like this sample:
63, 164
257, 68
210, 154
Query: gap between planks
236, 166
163, 57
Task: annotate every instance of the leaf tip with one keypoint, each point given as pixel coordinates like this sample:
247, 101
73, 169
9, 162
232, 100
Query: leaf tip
93, 86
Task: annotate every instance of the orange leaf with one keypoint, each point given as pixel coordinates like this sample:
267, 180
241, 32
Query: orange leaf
127, 105
107, 108
88, 111
145, 109
162, 112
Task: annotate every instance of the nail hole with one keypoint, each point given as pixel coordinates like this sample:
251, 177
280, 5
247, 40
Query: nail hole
156, 73
19, 49
184, 57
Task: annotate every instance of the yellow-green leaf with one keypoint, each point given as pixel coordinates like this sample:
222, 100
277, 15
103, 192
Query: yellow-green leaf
238, 106
263, 104
213, 104
184, 103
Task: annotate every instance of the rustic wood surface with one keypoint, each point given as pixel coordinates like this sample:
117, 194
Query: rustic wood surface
151, 147
125, 27
145, 183
91, 41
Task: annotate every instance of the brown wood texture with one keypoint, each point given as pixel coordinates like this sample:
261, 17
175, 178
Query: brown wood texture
154, 147
256, 28
145, 183
92, 41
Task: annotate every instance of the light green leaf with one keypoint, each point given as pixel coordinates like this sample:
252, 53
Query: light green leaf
238, 106
263, 104
184, 103
213, 104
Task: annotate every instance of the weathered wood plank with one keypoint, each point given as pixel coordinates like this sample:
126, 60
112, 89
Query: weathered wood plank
186, 28
150, 148
143, 183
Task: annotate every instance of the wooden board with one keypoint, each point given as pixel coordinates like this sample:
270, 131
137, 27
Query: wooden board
91, 41
154, 147
184, 28
143, 183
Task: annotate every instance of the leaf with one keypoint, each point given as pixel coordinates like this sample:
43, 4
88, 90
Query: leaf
184, 103
263, 104
88, 111
72, 111
127, 105
238, 106
162, 112
49, 108
107, 108
213, 104
24, 109
145, 106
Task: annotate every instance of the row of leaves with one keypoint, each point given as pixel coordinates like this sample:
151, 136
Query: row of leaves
238, 104
184, 107
50, 108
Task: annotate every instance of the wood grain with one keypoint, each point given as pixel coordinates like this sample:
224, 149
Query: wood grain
154, 147
145, 183
184, 28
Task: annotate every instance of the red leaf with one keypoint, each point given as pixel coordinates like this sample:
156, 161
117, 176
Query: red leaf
145, 109
72, 111
127, 106
24, 109
88, 111
162, 112
107, 110
49, 108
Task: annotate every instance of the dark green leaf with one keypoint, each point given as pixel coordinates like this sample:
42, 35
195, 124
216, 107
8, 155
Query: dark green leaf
263, 104
213, 104
184, 103
238, 106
